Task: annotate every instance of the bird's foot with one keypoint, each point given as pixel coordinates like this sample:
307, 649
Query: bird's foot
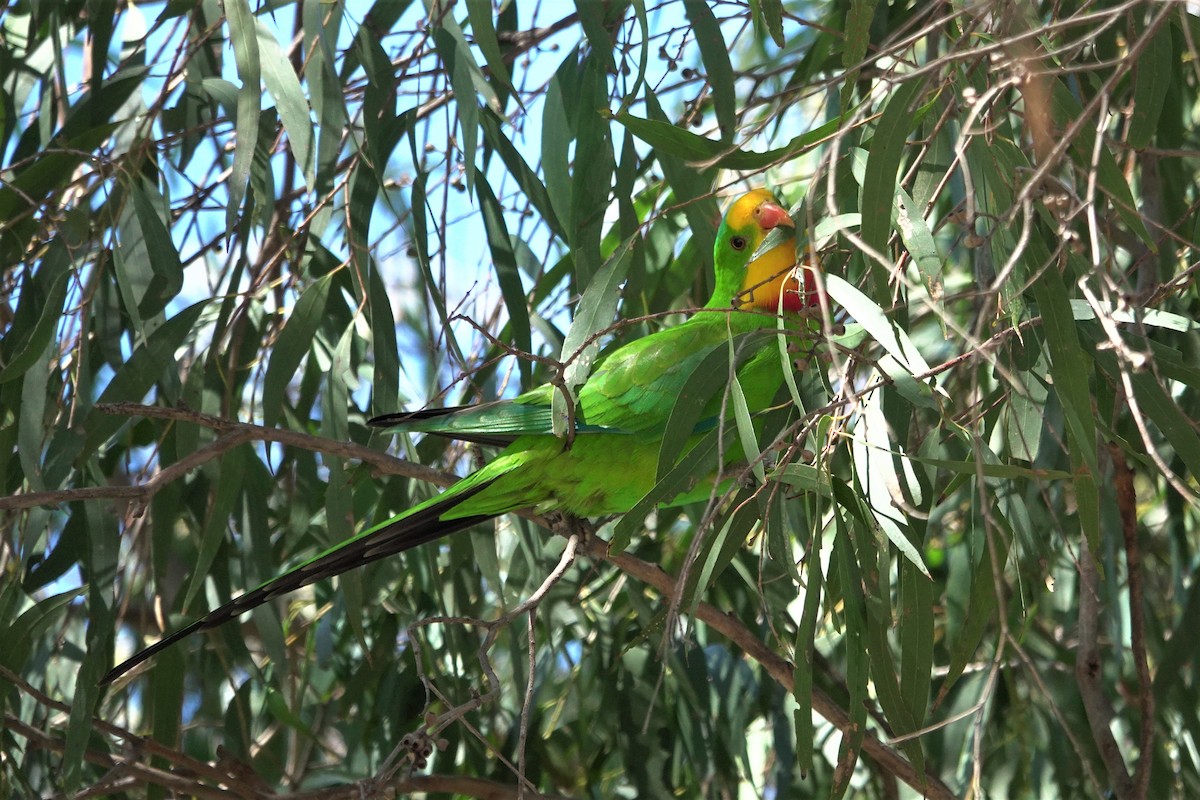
569, 525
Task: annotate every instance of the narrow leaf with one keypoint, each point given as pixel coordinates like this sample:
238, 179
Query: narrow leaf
243, 35
771, 14
459, 63
693, 147
293, 343
715, 54
879, 179
1152, 76
745, 428
479, 12
283, 85
709, 377
508, 276
868, 314
596, 310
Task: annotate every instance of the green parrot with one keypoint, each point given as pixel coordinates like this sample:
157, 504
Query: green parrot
622, 410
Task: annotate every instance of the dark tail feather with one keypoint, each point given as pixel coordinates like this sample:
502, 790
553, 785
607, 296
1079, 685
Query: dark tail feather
407, 417
408, 532
414, 420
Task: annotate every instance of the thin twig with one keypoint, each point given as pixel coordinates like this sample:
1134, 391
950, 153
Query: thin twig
1089, 671
1127, 505
231, 434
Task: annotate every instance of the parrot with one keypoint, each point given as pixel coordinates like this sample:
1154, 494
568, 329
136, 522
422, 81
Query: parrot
610, 460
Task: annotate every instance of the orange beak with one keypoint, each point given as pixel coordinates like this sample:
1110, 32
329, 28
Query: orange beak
772, 215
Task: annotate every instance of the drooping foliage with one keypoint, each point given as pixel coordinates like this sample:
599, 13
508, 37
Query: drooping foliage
964, 561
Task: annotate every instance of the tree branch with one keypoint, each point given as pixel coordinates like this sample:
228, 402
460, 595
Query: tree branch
230, 434
190, 777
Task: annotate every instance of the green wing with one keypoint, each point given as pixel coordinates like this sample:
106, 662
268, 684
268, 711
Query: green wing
632, 391
498, 423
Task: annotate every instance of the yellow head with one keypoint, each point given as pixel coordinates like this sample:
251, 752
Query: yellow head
745, 225
761, 282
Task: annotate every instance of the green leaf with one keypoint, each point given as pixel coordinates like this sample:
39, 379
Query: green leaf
639, 10
857, 37
1153, 400
867, 313
745, 428
715, 54
385, 394
65, 553
592, 172
243, 35
1152, 75
283, 85
804, 478
149, 271
33, 622
719, 551
517, 167
981, 608
1071, 364
339, 508
692, 188
321, 26
596, 310
1002, 471
102, 554
462, 68
479, 12
229, 484
770, 12
1082, 310
592, 18
34, 346
278, 706
556, 141
709, 377
886, 476
508, 276
420, 243
295, 340
1071, 384
1025, 418
147, 365
88, 126
879, 179
166, 694
916, 640
918, 240
874, 563
849, 579
689, 146
32, 419
805, 643
785, 359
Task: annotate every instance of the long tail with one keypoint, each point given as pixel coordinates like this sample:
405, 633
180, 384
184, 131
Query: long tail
421, 525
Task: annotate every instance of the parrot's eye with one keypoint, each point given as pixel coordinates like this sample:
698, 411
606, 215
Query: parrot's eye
738, 243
